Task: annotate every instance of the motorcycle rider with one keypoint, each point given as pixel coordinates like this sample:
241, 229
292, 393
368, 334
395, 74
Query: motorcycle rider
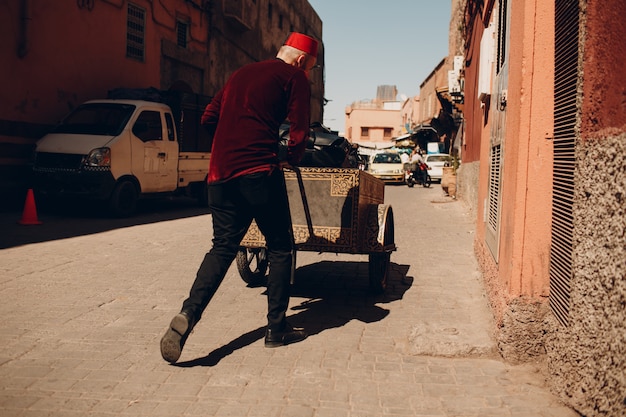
418, 166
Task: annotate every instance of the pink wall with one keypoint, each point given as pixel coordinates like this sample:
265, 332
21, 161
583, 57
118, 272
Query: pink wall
375, 119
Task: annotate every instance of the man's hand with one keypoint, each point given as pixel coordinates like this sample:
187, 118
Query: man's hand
284, 164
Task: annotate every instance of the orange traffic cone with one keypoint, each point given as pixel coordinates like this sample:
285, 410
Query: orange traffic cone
29, 215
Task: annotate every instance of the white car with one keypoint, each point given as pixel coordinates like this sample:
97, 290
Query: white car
436, 162
388, 167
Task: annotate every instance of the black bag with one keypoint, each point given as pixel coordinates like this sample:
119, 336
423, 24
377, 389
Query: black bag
325, 149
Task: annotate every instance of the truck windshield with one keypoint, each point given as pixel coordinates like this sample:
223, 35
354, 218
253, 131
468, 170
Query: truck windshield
96, 119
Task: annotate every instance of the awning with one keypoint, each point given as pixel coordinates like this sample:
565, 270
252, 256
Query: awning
424, 128
375, 145
403, 137
372, 148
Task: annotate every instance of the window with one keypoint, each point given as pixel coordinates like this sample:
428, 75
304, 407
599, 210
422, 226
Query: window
170, 126
365, 131
387, 158
269, 12
280, 21
502, 35
387, 132
135, 32
182, 29
96, 119
148, 126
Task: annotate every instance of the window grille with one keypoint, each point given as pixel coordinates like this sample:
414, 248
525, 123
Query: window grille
182, 29
502, 34
494, 186
135, 32
498, 133
565, 110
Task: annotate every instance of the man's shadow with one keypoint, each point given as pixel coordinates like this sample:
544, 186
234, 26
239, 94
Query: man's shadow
335, 293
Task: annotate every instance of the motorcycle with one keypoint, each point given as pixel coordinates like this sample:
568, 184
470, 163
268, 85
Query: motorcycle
418, 175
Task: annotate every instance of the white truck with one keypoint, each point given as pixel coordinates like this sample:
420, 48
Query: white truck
117, 151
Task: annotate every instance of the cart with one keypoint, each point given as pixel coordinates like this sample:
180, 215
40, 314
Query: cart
338, 210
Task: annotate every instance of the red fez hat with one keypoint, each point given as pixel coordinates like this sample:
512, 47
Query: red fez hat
302, 42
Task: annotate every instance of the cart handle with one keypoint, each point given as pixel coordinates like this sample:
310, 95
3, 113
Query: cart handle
305, 204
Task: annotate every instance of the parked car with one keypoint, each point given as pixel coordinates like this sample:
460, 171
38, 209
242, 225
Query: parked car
436, 162
388, 167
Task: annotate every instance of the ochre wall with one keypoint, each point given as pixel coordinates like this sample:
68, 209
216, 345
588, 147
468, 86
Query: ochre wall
62, 68
518, 282
526, 178
429, 104
527, 174
71, 55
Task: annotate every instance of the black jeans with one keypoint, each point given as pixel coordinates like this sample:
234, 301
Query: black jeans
233, 205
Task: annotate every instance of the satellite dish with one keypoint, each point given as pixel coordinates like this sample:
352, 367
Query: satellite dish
403, 97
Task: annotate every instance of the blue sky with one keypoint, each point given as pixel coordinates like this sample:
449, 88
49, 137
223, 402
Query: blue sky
372, 42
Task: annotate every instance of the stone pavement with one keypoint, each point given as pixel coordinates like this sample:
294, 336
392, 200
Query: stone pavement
81, 318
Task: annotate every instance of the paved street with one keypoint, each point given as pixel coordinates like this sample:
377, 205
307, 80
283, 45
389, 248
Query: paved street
86, 299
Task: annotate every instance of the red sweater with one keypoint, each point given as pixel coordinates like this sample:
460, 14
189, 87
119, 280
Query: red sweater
246, 114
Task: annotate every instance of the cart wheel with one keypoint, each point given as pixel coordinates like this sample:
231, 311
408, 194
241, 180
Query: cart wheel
379, 271
379, 259
252, 264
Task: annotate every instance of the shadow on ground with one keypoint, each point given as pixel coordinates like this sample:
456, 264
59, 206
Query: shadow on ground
335, 292
76, 218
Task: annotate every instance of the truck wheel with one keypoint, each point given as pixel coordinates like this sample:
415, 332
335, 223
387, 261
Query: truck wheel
123, 201
252, 265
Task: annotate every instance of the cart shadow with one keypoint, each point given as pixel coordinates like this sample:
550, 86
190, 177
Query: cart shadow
334, 293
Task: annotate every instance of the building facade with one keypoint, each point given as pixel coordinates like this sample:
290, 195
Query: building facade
439, 118
375, 122
544, 169
185, 45
430, 105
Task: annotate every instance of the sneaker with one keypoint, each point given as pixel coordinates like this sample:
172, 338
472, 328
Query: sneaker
176, 335
288, 335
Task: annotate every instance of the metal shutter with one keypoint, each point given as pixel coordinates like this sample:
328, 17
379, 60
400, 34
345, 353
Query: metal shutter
565, 111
